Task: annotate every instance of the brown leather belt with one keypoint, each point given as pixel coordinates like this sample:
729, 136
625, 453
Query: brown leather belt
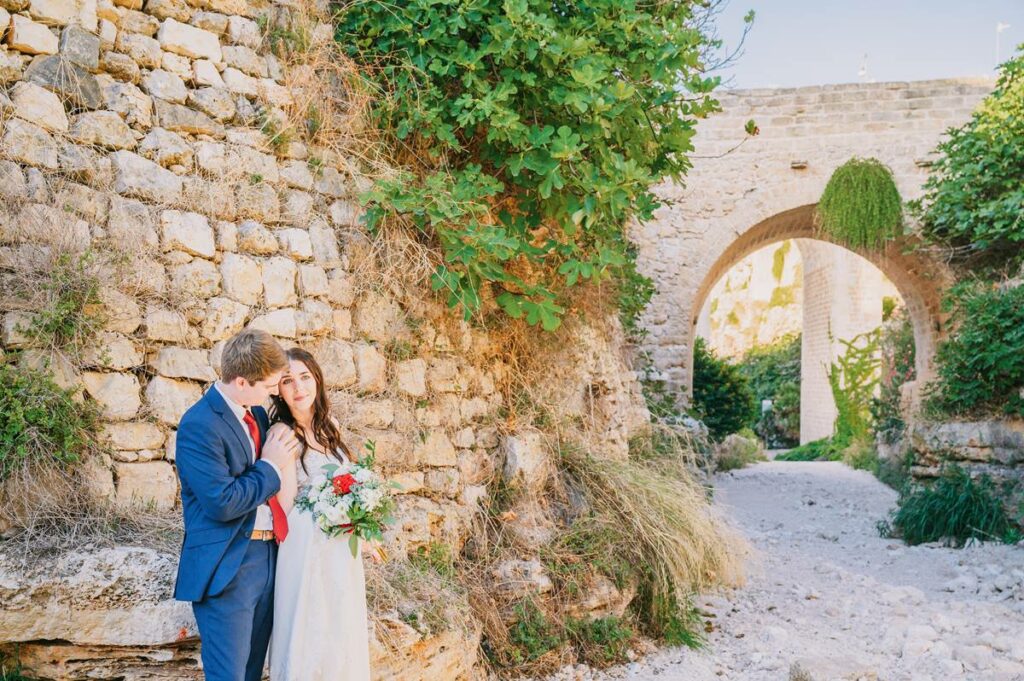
262, 535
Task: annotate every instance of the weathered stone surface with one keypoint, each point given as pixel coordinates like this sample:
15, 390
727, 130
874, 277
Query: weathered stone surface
165, 85
176, 64
295, 243
255, 238
189, 41
29, 144
224, 318
527, 464
279, 282
282, 322
195, 280
141, 48
174, 9
129, 101
133, 21
27, 36
183, 119
68, 80
40, 106
210, 21
166, 325
240, 83
521, 578
412, 377
371, 366
130, 222
121, 313
134, 435
242, 31
341, 291
205, 73
377, 317
242, 278
188, 232
443, 376
315, 318
436, 450
169, 399
336, 358
113, 351
103, 129
144, 484
257, 202
183, 363
214, 102
80, 47
117, 394
141, 178
62, 12
313, 281
12, 65
166, 148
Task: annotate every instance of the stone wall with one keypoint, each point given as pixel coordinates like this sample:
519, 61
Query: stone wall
146, 128
744, 194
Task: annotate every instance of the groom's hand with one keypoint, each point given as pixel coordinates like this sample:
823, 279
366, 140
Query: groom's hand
281, 447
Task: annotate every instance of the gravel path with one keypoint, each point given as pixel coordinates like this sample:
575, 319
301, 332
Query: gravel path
827, 598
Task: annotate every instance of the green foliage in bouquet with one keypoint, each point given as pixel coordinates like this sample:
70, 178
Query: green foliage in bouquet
528, 133
861, 206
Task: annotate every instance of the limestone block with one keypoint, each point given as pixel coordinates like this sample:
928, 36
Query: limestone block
198, 279
296, 207
464, 439
332, 183
176, 362
129, 4
411, 375
257, 202
205, 73
242, 278
242, 31
297, 174
121, 313
143, 484
133, 435
141, 178
113, 351
227, 236
376, 414
475, 466
315, 318
142, 48
345, 213
130, 222
214, 102
276, 95
166, 148
166, 325
325, 244
183, 119
443, 481
29, 144
80, 47
173, 9
295, 243
371, 366
377, 317
37, 105
436, 450
207, 197
224, 318
255, 238
188, 232
132, 21
408, 483
15, 329
169, 399
92, 205
246, 60
107, 35
165, 85
341, 289
473, 409
230, 7
103, 129
342, 320
443, 376
282, 322
129, 101
117, 394
279, 276
240, 83
248, 161
12, 64
312, 280
526, 461
189, 41
69, 81
337, 360
12, 181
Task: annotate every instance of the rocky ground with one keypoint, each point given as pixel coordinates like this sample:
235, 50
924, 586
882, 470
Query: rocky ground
828, 598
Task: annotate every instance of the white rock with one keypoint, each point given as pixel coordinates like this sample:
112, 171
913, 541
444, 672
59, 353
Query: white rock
169, 399
27, 36
188, 232
189, 41
36, 105
117, 394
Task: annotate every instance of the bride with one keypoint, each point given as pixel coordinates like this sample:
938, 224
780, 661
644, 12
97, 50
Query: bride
320, 626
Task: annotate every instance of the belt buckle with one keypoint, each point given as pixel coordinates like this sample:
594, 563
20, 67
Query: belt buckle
262, 535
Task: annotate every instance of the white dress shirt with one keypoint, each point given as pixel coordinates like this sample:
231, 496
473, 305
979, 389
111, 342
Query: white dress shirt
264, 520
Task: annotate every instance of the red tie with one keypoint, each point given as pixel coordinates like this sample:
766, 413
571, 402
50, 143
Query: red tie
280, 520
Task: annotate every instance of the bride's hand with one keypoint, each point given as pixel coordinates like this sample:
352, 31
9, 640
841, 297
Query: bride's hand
373, 550
284, 430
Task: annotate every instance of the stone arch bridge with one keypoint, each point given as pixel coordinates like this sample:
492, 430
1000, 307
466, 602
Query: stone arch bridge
744, 194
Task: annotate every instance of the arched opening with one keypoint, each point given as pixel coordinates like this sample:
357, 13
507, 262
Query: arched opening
915, 281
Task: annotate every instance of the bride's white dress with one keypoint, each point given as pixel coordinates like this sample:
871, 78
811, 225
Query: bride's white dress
320, 625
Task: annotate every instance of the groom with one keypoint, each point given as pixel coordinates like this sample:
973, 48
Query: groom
229, 471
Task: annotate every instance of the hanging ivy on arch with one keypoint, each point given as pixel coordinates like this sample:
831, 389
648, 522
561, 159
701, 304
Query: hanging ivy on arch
861, 206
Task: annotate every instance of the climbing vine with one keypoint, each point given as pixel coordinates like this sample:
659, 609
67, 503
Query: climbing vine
527, 134
853, 377
861, 206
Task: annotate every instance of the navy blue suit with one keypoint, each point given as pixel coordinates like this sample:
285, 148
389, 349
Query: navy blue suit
228, 577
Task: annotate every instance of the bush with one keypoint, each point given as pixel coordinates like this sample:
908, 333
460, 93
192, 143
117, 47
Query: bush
722, 397
861, 206
897, 349
528, 134
861, 455
980, 365
738, 450
817, 450
533, 635
602, 641
973, 196
954, 509
895, 472
774, 374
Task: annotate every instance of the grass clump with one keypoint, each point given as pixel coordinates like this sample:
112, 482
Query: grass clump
816, 450
738, 451
533, 635
861, 206
600, 641
953, 510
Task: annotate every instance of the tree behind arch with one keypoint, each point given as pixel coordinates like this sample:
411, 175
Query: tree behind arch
722, 397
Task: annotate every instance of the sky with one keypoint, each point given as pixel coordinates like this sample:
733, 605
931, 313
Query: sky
813, 42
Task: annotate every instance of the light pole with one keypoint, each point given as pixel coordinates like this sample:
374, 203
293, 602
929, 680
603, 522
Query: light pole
1000, 27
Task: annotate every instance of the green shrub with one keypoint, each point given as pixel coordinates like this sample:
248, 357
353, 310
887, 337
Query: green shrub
774, 374
973, 196
738, 451
897, 361
861, 206
853, 377
528, 134
41, 423
722, 397
953, 509
980, 366
824, 449
861, 455
895, 472
533, 635
600, 641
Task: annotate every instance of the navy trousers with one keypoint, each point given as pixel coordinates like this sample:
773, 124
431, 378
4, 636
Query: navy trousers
234, 625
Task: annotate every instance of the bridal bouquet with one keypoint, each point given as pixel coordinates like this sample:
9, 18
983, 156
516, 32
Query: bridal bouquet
349, 499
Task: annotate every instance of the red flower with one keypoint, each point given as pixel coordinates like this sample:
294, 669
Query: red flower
343, 483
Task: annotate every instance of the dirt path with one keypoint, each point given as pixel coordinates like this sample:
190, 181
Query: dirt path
828, 596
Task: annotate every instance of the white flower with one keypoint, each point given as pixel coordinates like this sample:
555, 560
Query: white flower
363, 475
336, 516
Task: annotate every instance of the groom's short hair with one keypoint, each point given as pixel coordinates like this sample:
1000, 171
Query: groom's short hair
253, 355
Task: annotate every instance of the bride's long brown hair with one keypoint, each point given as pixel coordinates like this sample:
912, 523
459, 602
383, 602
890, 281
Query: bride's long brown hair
324, 430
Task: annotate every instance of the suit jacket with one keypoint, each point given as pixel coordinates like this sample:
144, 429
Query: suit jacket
220, 491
